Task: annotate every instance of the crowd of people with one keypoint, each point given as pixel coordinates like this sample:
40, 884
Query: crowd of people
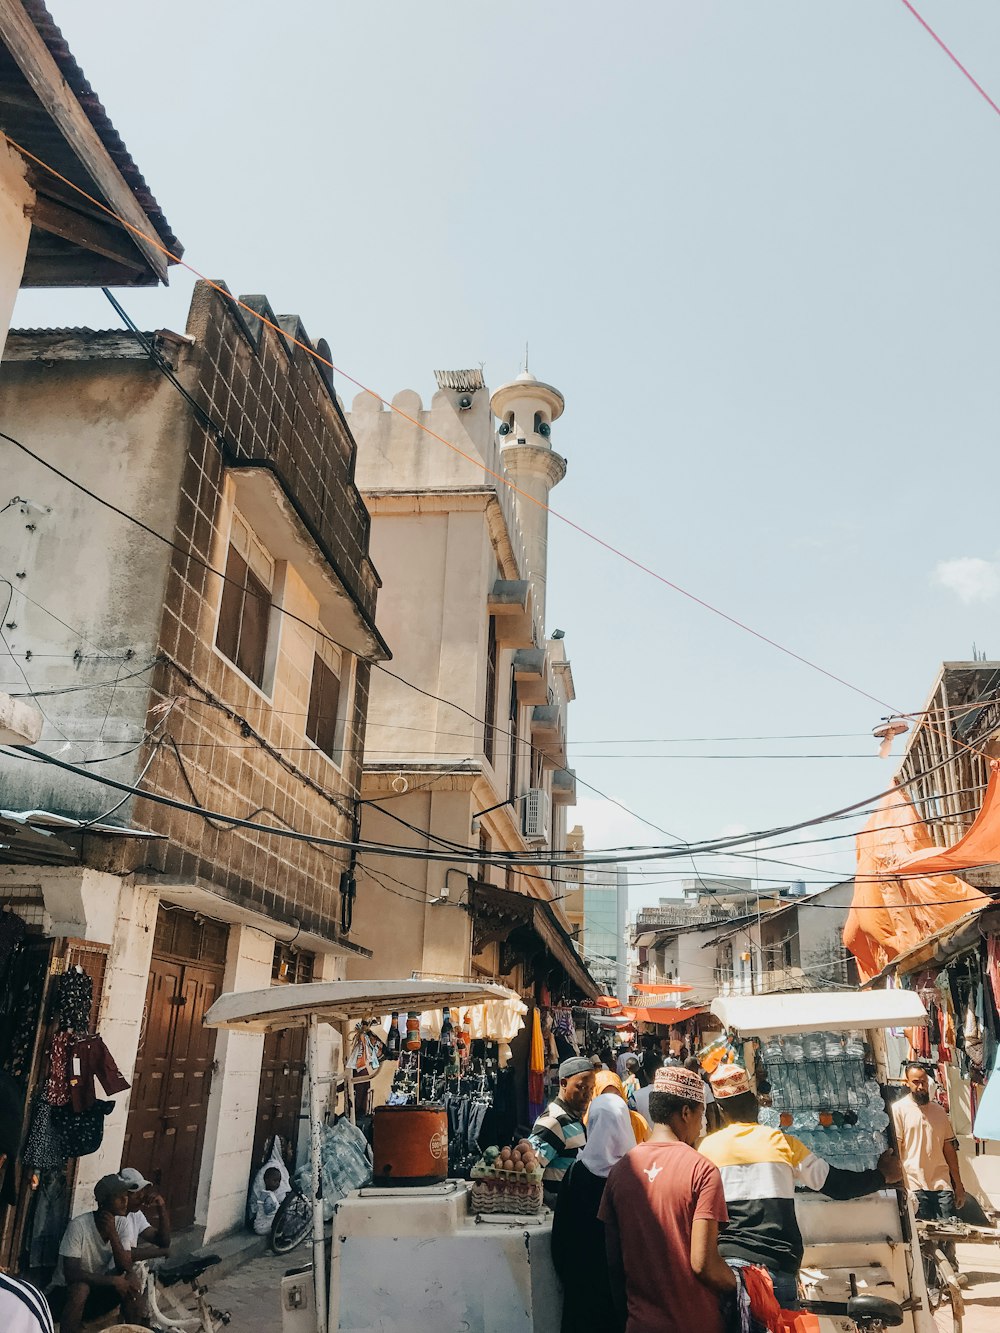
661, 1227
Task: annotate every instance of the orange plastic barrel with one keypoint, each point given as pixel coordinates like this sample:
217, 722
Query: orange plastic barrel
410, 1145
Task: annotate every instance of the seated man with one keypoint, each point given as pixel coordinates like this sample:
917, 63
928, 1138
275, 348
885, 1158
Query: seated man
760, 1168
138, 1234
94, 1275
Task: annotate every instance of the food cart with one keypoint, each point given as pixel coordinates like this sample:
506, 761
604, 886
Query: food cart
824, 1055
407, 1257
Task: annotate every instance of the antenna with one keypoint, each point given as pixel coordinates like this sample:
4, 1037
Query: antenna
525, 356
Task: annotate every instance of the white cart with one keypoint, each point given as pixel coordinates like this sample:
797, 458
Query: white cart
872, 1240
408, 1259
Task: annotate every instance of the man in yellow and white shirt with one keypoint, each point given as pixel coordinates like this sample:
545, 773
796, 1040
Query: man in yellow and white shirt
760, 1169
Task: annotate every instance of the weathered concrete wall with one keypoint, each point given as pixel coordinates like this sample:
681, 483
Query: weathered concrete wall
232, 1109
88, 586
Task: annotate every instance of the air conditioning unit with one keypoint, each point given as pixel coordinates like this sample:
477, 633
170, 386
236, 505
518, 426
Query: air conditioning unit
536, 815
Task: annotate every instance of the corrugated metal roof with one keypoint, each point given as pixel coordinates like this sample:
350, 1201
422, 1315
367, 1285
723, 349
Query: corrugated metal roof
462, 381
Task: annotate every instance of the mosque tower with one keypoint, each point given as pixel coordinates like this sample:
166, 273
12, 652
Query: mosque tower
525, 410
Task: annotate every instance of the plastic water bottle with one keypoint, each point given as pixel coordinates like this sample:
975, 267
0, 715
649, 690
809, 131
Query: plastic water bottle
769, 1116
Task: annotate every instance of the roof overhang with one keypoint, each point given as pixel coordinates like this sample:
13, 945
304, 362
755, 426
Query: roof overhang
50, 112
497, 913
280, 1007
819, 1011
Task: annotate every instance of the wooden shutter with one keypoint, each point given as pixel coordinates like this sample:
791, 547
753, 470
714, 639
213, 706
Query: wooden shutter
324, 706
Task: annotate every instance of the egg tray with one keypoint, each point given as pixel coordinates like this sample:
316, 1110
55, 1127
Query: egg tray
507, 1192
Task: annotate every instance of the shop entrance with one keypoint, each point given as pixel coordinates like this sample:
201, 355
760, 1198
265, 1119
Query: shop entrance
168, 1108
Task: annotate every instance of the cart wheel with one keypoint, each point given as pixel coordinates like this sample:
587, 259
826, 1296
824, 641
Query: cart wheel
291, 1223
950, 1306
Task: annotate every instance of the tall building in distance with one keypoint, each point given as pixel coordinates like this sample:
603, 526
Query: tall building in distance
605, 913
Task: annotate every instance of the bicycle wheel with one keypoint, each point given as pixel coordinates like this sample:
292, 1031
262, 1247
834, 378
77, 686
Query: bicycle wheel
944, 1294
291, 1223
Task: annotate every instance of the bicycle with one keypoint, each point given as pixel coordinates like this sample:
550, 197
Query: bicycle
179, 1317
292, 1222
874, 1314
944, 1294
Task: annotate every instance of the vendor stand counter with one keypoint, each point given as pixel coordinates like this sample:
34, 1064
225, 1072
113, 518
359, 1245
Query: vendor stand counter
418, 1261
871, 1239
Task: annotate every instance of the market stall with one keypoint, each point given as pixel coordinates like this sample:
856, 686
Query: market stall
395, 1233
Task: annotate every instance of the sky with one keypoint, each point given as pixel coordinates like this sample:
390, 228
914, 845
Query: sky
755, 247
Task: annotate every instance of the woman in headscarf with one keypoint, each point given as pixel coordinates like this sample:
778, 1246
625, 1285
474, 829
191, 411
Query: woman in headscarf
578, 1251
611, 1085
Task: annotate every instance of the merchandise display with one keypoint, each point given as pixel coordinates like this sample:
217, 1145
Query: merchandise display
823, 1092
507, 1180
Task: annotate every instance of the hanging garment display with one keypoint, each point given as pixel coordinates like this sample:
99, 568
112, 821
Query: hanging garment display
90, 1059
56, 1089
49, 1215
12, 930
82, 1132
74, 1000
45, 1149
20, 1004
364, 1058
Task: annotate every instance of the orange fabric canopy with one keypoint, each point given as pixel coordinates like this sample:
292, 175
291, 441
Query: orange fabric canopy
979, 847
890, 915
666, 1016
665, 987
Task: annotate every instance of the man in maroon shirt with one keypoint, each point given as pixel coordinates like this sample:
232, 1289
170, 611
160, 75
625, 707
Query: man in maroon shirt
661, 1210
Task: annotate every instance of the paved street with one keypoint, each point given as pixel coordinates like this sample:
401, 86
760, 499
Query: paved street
252, 1293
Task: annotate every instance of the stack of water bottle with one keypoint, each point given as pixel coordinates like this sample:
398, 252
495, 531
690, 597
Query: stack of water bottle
819, 1094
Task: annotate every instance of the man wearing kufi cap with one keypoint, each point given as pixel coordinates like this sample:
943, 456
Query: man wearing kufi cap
662, 1208
760, 1168
559, 1132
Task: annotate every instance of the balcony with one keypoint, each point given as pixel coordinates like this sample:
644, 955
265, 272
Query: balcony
529, 676
564, 786
547, 735
509, 603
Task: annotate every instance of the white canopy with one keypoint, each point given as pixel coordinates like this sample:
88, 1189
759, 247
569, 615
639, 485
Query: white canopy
819, 1011
280, 1007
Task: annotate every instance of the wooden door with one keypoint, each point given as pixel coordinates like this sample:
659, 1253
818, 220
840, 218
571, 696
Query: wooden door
168, 1108
280, 1100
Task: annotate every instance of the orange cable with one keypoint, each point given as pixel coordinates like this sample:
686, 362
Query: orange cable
476, 462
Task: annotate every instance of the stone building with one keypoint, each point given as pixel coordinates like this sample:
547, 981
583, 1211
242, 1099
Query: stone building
222, 666
466, 739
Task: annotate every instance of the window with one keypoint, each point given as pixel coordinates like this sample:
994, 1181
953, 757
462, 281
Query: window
490, 715
245, 611
326, 722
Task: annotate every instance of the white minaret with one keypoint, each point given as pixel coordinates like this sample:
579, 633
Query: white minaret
525, 410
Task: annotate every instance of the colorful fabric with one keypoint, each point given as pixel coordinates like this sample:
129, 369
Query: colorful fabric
652, 1199
760, 1168
57, 1082
605, 1081
557, 1136
536, 1067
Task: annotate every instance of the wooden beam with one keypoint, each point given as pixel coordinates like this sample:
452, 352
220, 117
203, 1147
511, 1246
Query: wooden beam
100, 238
82, 271
35, 61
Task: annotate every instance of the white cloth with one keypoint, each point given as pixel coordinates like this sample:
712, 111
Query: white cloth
609, 1134
130, 1228
23, 1309
82, 1241
264, 1202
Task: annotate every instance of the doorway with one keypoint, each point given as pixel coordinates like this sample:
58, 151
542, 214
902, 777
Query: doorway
168, 1109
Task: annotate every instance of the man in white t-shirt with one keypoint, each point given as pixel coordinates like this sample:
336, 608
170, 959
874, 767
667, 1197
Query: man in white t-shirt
23, 1309
143, 1238
94, 1275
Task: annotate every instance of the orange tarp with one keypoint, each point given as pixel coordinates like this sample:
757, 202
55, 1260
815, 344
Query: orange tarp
979, 847
666, 1016
663, 988
890, 915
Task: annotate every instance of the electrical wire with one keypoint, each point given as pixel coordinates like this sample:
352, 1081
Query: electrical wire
504, 480
951, 55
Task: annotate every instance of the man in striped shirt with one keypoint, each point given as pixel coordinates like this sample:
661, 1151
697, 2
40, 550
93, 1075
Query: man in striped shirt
559, 1132
23, 1309
760, 1169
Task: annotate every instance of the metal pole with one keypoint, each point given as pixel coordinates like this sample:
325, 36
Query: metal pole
315, 1127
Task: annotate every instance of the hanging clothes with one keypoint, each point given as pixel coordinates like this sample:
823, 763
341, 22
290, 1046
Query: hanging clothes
74, 1000
56, 1089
